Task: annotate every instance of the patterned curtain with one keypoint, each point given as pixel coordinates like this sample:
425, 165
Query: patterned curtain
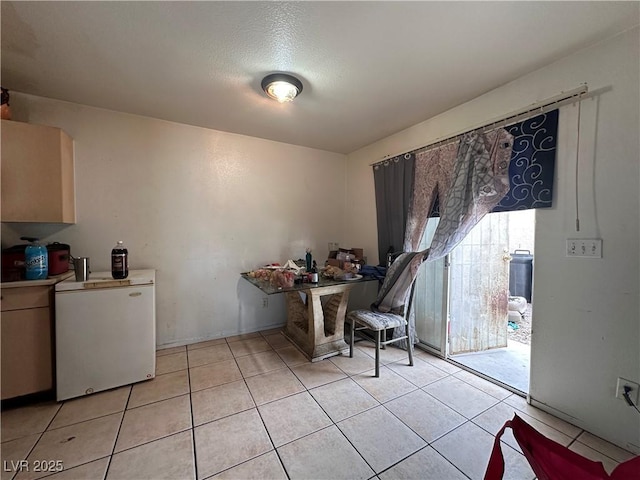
475, 184
464, 180
532, 166
480, 181
432, 179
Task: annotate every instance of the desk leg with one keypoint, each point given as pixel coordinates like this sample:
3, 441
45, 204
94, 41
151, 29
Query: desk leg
318, 331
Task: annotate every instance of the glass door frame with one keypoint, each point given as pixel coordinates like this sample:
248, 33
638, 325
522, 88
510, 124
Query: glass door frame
441, 350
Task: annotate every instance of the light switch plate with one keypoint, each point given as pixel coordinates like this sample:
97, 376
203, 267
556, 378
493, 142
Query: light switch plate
584, 247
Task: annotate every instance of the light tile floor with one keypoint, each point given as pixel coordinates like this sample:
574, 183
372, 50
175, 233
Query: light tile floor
252, 406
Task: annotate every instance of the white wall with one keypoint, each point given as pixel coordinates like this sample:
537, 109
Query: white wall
522, 233
586, 312
198, 205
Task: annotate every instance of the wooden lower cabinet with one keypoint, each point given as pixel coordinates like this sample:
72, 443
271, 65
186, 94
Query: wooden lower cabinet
27, 341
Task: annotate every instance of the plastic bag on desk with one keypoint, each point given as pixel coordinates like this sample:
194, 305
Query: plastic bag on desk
282, 279
291, 265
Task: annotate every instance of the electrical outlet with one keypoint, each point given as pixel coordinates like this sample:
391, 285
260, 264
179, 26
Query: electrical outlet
584, 247
633, 394
265, 302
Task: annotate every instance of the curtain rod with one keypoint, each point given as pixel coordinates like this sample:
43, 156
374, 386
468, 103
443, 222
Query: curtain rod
536, 108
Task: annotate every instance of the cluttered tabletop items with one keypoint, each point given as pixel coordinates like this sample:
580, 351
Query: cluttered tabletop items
342, 266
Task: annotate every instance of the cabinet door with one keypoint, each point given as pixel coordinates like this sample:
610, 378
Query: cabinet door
105, 338
25, 297
27, 365
37, 174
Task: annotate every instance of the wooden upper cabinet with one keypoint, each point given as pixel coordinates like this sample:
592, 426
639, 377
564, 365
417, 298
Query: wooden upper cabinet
37, 174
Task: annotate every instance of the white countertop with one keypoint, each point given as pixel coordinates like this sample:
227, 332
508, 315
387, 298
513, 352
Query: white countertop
38, 283
105, 280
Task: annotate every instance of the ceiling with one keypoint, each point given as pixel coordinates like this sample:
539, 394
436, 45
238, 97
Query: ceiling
369, 69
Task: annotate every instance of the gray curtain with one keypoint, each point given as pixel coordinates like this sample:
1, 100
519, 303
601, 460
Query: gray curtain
393, 180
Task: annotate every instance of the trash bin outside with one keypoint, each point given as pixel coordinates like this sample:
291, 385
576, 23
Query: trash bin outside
521, 274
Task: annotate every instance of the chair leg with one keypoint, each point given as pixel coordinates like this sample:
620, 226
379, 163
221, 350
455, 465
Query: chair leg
377, 353
352, 340
409, 345
384, 339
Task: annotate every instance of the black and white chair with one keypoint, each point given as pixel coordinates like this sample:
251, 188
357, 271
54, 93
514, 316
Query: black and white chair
391, 308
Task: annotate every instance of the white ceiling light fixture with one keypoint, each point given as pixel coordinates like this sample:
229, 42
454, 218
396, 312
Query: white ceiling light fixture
281, 86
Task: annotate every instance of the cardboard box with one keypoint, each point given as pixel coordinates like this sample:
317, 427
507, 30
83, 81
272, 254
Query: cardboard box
334, 262
338, 257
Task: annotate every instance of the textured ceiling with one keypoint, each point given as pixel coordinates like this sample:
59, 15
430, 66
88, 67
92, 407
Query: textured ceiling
369, 69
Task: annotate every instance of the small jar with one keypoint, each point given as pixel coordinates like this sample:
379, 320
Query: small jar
5, 110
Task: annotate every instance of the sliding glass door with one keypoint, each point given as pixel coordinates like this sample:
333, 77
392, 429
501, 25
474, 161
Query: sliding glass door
461, 300
431, 299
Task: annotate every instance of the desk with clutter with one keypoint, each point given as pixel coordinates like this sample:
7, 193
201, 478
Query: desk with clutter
315, 310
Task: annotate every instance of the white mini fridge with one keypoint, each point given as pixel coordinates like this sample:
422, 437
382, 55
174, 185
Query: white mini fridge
105, 332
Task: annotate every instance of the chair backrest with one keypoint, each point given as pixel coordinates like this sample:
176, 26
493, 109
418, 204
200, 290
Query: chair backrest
550, 460
396, 287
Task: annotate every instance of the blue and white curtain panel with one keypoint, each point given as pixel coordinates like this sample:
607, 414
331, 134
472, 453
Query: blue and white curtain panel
532, 166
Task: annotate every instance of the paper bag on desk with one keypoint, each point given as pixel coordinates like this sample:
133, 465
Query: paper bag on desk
291, 265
